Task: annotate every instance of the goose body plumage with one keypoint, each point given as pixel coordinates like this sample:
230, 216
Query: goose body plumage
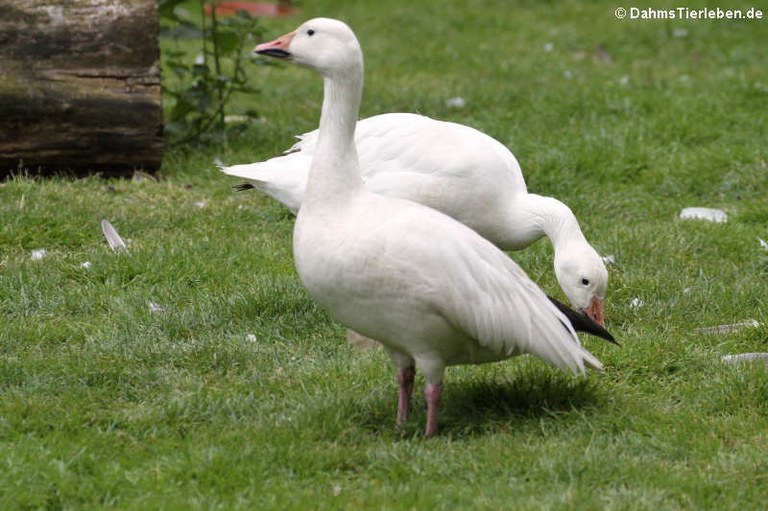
430, 289
410, 156
461, 172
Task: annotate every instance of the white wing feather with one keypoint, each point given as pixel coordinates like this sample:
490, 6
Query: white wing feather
495, 302
114, 240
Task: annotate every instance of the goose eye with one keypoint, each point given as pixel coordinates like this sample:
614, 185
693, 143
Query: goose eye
585, 282
310, 32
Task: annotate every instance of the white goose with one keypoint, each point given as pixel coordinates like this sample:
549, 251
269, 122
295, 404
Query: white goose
431, 290
462, 172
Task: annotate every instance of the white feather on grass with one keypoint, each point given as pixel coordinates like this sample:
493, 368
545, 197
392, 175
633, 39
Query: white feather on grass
114, 240
724, 329
155, 307
709, 214
745, 357
38, 254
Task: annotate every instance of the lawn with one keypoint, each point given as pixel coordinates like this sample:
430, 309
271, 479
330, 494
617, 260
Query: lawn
194, 372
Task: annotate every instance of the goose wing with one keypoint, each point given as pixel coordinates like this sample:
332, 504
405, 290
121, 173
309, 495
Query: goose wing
479, 290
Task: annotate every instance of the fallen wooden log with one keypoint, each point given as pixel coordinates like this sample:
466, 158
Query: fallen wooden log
79, 87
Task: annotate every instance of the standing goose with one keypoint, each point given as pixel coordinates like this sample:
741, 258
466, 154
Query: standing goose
462, 172
431, 290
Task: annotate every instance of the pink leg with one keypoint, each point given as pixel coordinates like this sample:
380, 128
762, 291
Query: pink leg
405, 376
433, 394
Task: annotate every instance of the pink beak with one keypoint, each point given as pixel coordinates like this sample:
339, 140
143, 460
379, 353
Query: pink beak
596, 311
277, 48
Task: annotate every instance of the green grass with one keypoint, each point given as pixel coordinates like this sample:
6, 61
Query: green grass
242, 393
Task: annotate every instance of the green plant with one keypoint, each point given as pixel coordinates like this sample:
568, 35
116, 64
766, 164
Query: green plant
203, 84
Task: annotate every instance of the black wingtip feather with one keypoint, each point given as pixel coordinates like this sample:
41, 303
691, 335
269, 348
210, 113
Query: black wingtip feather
243, 186
583, 323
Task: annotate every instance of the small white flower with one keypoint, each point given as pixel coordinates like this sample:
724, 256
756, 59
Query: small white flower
636, 303
548, 47
250, 337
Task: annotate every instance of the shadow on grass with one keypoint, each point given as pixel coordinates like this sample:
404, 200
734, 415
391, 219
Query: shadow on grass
489, 405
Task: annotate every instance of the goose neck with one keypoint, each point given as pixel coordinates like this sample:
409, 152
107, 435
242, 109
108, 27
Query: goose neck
557, 221
335, 171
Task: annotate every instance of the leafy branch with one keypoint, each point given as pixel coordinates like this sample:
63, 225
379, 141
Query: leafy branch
204, 85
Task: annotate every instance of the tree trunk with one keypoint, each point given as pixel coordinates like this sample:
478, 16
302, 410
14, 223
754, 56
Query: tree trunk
79, 87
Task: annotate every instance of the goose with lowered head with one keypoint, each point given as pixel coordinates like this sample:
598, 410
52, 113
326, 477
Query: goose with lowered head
457, 170
430, 289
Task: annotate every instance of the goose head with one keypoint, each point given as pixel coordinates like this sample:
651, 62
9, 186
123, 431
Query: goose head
583, 277
326, 45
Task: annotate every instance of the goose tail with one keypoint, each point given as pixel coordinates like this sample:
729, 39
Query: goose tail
283, 178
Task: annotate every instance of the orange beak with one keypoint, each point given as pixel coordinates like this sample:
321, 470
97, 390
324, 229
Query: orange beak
596, 311
277, 48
